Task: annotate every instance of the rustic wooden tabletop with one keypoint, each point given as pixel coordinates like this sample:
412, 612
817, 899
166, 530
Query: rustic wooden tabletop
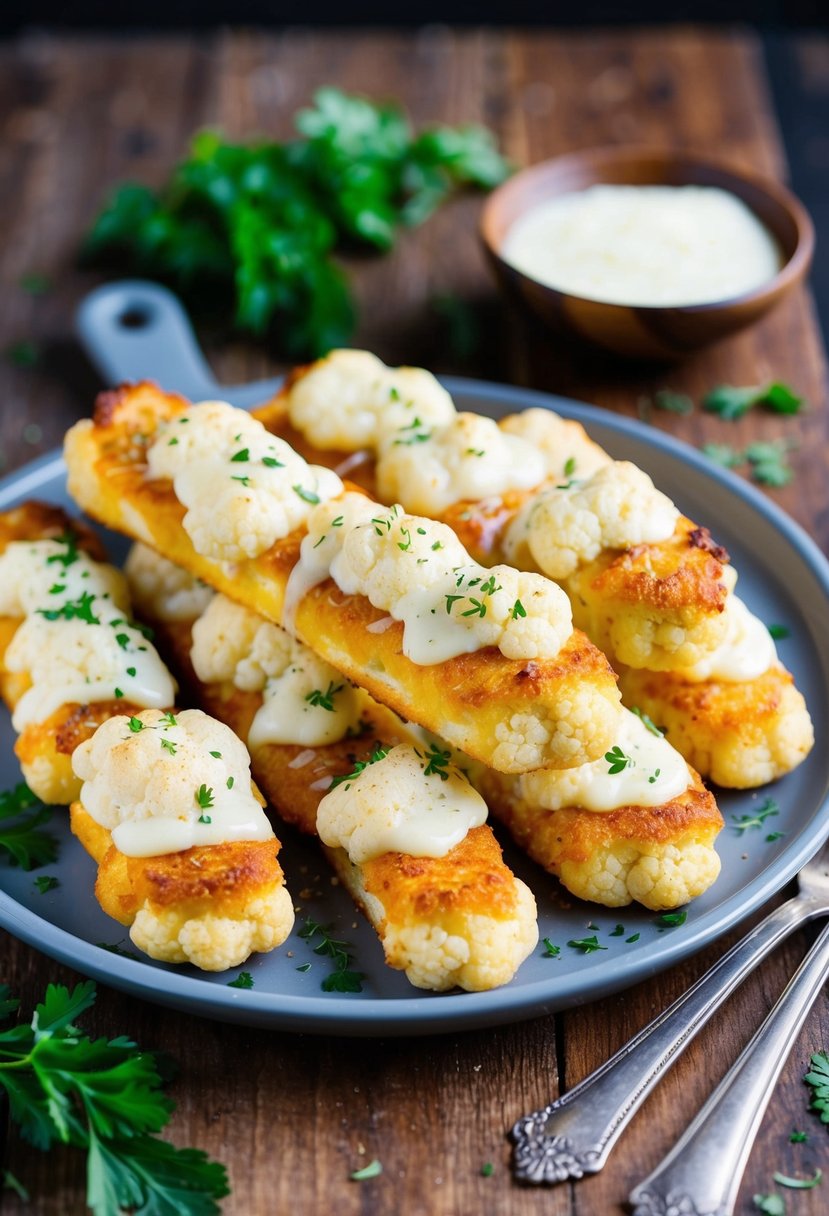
292, 1116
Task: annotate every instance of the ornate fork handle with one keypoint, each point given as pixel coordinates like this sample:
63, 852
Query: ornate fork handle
702, 1173
574, 1135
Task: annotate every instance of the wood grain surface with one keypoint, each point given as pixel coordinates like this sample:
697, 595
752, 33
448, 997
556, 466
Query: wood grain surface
290, 1115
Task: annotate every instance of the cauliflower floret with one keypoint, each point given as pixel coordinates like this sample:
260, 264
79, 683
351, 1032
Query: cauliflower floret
586, 724
567, 449
305, 700
468, 459
212, 942
244, 489
163, 783
744, 654
566, 527
472, 952
78, 660
161, 589
418, 571
407, 801
349, 399
658, 876
46, 574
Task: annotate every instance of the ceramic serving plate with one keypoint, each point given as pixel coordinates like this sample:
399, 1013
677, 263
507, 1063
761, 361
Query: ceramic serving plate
784, 579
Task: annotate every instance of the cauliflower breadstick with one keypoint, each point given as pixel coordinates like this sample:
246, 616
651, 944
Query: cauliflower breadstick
648, 837
70, 656
488, 659
186, 855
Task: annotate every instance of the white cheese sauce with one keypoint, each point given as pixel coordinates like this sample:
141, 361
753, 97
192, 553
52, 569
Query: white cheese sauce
162, 783
667, 246
76, 642
411, 801
746, 652
641, 769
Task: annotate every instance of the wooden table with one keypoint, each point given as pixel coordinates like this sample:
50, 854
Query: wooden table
292, 1116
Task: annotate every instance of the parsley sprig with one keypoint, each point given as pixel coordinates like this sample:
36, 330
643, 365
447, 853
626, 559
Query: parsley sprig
21, 817
251, 229
378, 753
324, 700
343, 978
818, 1081
104, 1097
765, 811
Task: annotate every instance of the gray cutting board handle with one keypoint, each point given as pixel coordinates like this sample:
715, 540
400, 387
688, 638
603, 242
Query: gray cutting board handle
137, 330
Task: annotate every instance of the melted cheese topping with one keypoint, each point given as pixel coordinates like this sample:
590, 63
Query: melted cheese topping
468, 459
402, 803
645, 245
566, 448
172, 783
746, 651
76, 642
305, 701
568, 526
244, 489
418, 571
162, 590
652, 773
350, 399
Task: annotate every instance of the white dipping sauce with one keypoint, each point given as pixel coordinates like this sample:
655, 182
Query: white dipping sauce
645, 245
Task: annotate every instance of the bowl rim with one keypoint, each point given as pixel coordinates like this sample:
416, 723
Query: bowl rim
611, 154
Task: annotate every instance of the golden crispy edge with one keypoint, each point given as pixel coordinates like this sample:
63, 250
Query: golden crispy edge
475, 692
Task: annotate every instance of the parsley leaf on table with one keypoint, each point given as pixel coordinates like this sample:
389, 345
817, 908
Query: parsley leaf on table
249, 230
818, 1081
731, 402
103, 1096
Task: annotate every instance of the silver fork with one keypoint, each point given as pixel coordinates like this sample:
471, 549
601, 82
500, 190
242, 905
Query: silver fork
574, 1135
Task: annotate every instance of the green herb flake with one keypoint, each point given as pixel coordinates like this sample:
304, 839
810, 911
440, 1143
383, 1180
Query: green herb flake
772, 836
135, 725
617, 760
46, 883
436, 762
306, 495
379, 753
229, 783
672, 920
487, 1169
304, 967
731, 402
673, 403
8, 1182
647, 722
778, 632
550, 951
569, 466
765, 811
168, 745
722, 454
799, 1184
619, 931
372, 1170
79, 609
770, 1205
587, 945
245, 481
205, 818
818, 1081
634, 937
204, 797
797, 1137
270, 462
123, 640
324, 700
216, 755
243, 980
241, 457
118, 693
342, 978
131, 671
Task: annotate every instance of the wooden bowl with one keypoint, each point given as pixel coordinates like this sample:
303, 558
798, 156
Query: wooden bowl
631, 330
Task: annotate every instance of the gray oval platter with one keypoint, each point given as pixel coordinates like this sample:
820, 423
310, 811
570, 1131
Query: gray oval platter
783, 577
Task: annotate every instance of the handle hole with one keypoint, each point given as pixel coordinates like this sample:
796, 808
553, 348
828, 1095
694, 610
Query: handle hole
136, 316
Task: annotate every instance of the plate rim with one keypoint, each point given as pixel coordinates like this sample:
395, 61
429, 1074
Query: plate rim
429, 1013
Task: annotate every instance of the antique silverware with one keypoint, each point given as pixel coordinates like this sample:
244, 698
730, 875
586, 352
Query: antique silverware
702, 1173
575, 1134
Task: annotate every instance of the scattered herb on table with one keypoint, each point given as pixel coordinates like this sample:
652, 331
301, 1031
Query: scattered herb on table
769, 463
587, 945
250, 230
765, 811
797, 1137
770, 1205
343, 978
372, 1170
818, 1081
723, 454
487, 1169
105, 1097
731, 402
21, 817
799, 1184
673, 403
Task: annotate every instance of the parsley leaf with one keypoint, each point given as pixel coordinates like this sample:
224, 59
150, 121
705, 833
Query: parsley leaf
243, 980
587, 945
672, 920
617, 760
46, 883
770, 1205
342, 978
372, 1170
818, 1081
21, 816
732, 403
550, 951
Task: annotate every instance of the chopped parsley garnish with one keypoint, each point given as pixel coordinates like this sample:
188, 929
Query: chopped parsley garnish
372, 1170
818, 1081
797, 1137
319, 542
243, 980
70, 556
475, 452
245, 481
654, 777
617, 760
306, 495
338, 522
672, 920
587, 945
487, 1169
671, 402
169, 719
204, 797
769, 1205
436, 762
241, 457
723, 454
130, 671
778, 632
123, 640
171, 443
634, 937
270, 462
490, 586
79, 609
405, 545
57, 588
216, 755
518, 610
769, 465
765, 811
169, 746
478, 608
325, 700
135, 725
46, 883
118, 692
229, 783
647, 722
437, 545
379, 753
731, 402
304, 967
205, 818
550, 951
105, 1098
450, 600
619, 931
342, 978
772, 836
569, 466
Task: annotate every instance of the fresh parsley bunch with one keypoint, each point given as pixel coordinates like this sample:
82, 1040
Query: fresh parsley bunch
250, 230
103, 1096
